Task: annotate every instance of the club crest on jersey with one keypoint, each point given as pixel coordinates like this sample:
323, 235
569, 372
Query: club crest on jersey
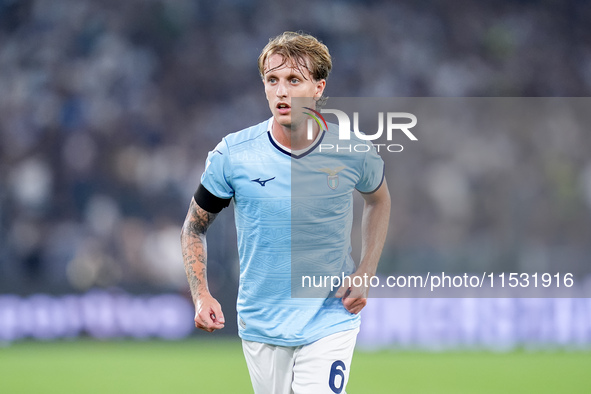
333, 176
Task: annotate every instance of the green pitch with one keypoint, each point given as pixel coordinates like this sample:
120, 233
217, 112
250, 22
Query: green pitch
198, 366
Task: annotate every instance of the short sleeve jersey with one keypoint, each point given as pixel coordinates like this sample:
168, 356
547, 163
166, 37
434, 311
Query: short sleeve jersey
294, 214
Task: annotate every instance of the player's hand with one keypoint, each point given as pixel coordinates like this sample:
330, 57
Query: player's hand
354, 297
208, 314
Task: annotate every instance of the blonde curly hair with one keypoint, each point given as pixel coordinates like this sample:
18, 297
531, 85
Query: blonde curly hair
302, 50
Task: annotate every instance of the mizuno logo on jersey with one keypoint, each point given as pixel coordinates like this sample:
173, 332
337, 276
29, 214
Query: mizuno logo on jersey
333, 176
262, 183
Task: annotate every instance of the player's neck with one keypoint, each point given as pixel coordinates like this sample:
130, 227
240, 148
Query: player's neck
294, 138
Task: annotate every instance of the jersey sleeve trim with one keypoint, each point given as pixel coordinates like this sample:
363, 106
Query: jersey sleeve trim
208, 201
379, 185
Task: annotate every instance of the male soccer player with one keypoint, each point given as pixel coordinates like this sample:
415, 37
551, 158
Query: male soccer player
293, 208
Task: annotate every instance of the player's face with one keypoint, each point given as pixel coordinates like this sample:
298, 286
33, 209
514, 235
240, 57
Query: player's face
286, 81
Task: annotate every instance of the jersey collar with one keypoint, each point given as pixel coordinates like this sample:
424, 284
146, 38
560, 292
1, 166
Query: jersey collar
296, 154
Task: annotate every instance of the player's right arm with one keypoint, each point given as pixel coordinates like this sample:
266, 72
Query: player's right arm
208, 312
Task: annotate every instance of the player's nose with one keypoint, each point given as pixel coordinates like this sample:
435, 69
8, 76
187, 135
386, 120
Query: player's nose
281, 90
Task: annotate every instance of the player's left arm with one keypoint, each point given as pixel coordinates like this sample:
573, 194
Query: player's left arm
374, 227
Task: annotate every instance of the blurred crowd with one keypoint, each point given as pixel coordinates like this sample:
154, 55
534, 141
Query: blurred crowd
108, 109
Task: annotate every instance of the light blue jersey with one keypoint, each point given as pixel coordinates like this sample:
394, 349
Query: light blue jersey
294, 213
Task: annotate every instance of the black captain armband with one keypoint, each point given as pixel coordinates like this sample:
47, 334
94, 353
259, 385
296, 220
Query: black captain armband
208, 201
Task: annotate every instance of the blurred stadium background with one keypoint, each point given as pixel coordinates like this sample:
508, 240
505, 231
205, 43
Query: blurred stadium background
107, 112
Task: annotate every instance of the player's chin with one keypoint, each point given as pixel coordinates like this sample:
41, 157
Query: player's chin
283, 120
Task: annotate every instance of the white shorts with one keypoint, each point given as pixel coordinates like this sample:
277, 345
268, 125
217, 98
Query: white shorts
319, 367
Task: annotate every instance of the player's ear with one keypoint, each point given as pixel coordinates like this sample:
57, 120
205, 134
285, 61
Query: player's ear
320, 85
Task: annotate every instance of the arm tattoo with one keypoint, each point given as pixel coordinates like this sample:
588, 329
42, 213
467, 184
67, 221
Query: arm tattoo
195, 248
199, 220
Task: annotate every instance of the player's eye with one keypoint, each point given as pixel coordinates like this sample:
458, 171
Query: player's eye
271, 80
294, 80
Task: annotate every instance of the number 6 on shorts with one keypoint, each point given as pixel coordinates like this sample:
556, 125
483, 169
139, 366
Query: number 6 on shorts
336, 371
